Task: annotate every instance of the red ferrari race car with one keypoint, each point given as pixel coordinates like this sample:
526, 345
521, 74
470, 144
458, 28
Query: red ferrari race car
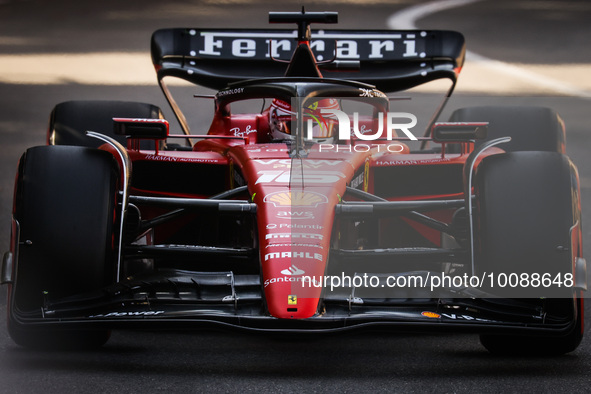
320, 210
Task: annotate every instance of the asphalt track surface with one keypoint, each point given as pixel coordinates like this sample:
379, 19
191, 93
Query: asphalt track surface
546, 41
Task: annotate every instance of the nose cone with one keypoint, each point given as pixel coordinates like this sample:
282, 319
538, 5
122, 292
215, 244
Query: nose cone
294, 237
296, 201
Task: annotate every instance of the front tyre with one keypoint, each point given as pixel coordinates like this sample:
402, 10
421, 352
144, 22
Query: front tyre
527, 205
516, 345
65, 206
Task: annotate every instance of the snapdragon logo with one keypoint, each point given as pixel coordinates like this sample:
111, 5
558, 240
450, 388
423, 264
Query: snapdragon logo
362, 133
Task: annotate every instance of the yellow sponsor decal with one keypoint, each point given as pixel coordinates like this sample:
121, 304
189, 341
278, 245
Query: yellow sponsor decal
432, 315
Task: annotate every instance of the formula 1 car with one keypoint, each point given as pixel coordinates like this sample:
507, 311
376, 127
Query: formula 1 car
315, 212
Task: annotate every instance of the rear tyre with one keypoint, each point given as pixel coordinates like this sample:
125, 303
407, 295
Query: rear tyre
70, 120
65, 206
527, 203
530, 128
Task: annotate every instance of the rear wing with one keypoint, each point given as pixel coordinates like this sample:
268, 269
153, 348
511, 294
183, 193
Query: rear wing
390, 60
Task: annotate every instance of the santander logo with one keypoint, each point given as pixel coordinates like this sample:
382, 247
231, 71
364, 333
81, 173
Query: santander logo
293, 271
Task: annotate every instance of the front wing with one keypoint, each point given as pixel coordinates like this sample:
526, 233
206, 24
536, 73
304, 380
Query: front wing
177, 299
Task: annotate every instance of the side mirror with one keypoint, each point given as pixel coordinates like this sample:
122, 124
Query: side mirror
156, 129
459, 131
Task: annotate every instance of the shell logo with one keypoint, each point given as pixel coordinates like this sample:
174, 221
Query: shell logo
296, 199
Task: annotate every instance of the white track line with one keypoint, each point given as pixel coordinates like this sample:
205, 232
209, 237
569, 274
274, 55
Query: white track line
406, 19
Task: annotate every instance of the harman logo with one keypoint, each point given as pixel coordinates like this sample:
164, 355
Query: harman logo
300, 199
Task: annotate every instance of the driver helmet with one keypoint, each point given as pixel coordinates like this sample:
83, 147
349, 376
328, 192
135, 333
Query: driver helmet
280, 121
324, 126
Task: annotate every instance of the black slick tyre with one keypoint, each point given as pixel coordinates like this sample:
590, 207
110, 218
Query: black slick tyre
530, 128
65, 206
70, 120
526, 205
